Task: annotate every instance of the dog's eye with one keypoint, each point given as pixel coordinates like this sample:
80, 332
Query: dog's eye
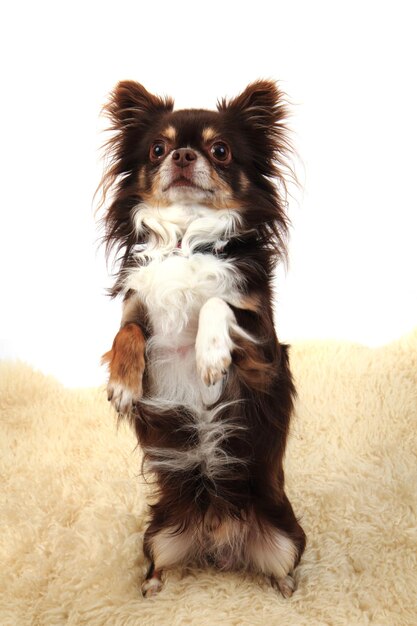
158, 149
220, 151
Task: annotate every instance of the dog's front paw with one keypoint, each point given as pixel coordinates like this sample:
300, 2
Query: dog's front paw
213, 346
213, 358
123, 398
126, 362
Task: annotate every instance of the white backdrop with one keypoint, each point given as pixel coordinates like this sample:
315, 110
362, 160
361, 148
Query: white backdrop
349, 69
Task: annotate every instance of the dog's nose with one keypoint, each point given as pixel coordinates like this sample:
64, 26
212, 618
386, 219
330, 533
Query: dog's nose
183, 157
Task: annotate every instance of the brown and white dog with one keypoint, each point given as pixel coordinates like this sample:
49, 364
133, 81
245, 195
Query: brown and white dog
198, 220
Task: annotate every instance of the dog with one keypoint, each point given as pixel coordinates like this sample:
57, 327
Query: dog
195, 214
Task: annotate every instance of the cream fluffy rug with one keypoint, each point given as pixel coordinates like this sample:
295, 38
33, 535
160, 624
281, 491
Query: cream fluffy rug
73, 510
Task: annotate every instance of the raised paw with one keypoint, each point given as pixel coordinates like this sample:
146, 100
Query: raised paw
126, 363
123, 398
213, 346
213, 359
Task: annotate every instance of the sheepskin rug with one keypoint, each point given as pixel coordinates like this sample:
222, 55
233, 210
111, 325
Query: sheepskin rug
73, 507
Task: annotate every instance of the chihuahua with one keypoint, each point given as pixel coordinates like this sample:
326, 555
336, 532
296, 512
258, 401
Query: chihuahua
195, 214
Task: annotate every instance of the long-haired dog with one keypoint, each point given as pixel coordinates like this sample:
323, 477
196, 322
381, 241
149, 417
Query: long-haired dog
198, 221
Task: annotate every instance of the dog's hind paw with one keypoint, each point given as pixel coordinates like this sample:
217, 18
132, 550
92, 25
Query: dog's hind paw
285, 585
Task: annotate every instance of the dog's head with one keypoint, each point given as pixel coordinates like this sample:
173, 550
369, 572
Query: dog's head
218, 159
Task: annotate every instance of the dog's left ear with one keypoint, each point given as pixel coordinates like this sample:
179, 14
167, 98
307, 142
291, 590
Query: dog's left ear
260, 112
260, 106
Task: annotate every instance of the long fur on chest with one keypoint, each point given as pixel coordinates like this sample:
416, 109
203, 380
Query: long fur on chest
173, 280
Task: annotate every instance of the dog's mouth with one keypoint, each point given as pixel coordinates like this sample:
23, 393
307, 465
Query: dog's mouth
184, 182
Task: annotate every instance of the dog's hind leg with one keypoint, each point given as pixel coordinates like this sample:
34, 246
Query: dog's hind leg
275, 544
166, 548
273, 553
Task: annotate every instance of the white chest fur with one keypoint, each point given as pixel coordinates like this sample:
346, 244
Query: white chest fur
175, 287
174, 282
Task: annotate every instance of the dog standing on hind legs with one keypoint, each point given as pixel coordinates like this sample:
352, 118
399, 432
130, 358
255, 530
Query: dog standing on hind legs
197, 217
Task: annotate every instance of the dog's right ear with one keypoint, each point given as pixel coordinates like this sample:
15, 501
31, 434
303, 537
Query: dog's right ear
131, 110
131, 106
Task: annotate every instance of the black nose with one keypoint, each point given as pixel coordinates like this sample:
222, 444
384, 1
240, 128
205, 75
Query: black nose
183, 157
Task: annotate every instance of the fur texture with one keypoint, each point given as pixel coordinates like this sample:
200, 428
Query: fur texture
199, 224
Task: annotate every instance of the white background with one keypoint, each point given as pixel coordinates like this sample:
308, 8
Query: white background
349, 69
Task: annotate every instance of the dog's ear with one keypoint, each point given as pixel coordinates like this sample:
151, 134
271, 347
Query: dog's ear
131, 105
131, 109
260, 106
260, 112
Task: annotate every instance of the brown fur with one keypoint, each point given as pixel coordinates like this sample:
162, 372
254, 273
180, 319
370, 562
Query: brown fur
126, 359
